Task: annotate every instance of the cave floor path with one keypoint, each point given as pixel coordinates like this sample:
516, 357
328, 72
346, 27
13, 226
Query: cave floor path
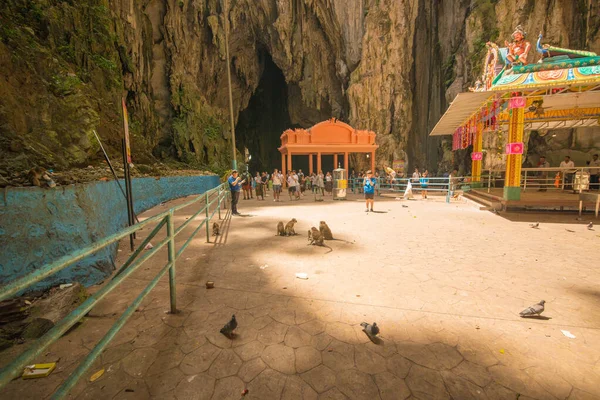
445, 283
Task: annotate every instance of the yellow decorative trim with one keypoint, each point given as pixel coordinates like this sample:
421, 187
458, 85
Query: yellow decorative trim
515, 135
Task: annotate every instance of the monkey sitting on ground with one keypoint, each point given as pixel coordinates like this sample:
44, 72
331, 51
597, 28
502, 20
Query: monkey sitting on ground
289, 227
280, 229
316, 239
326, 232
216, 229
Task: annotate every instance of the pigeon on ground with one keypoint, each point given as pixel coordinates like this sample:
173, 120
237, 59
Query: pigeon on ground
591, 226
371, 330
404, 206
535, 226
535, 309
229, 327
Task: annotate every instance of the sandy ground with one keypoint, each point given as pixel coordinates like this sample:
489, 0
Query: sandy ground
445, 282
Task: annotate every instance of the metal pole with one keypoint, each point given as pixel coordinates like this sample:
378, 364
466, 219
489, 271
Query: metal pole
172, 258
127, 190
234, 160
206, 219
525, 182
109, 164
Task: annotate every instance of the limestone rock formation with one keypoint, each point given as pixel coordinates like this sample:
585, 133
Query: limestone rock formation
391, 66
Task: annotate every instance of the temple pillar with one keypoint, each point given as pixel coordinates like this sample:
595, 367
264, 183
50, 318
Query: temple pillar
282, 163
289, 161
310, 164
335, 161
346, 164
514, 149
318, 162
477, 157
373, 162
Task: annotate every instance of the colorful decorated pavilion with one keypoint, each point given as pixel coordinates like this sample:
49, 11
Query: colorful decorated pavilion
330, 137
562, 90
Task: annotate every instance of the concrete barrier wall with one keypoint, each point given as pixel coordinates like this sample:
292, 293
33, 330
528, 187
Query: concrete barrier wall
37, 225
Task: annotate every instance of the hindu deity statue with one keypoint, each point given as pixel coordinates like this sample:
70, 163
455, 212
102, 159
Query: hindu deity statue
519, 48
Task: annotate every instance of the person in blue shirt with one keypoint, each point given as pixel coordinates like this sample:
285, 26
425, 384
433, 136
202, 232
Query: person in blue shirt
424, 181
235, 183
369, 189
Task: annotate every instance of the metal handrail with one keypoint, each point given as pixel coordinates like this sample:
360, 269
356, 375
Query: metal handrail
14, 369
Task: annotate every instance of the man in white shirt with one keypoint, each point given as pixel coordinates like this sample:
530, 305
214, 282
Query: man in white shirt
594, 172
291, 185
567, 163
297, 183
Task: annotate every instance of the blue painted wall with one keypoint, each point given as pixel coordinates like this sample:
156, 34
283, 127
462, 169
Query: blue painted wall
37, 226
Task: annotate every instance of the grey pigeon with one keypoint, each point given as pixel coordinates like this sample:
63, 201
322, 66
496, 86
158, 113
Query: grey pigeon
591, 226
535, 309
535, 226
371, 330
404, 206
229, 327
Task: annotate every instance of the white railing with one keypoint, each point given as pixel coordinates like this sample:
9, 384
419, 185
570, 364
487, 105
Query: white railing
576, 179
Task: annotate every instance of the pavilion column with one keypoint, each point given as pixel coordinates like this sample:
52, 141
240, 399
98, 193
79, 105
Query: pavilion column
335, 161
514, 149
318, 162
346, 166
283, 170
289, 161
373, 162
477, 157
310, 164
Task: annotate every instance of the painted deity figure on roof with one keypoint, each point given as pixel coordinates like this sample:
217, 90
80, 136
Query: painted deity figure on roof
519, 48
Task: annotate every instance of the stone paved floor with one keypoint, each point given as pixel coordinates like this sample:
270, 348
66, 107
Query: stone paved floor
445, 282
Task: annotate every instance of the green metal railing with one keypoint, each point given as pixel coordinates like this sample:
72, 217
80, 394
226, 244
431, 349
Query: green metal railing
218, 196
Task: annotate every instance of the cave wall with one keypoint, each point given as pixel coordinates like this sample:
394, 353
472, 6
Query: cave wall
391, 66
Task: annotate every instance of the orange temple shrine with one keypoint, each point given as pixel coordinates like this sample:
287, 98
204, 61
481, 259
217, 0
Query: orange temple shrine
330, 137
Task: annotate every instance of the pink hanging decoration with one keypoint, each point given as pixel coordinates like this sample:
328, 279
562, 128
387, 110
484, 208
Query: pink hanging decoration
517, 102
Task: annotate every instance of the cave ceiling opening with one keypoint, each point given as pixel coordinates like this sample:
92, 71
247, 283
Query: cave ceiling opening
262, 122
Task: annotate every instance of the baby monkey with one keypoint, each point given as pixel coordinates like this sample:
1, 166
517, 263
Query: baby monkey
216, 229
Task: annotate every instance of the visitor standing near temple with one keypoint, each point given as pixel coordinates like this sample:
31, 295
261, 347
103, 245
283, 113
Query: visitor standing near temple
416, 175
247, 186
259, 187
297, 182
543, 175
264, 180
321, 183
328, 183
594, 172
424, 181
291, 185
567, 163
277, 180
235, 183
369, 183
